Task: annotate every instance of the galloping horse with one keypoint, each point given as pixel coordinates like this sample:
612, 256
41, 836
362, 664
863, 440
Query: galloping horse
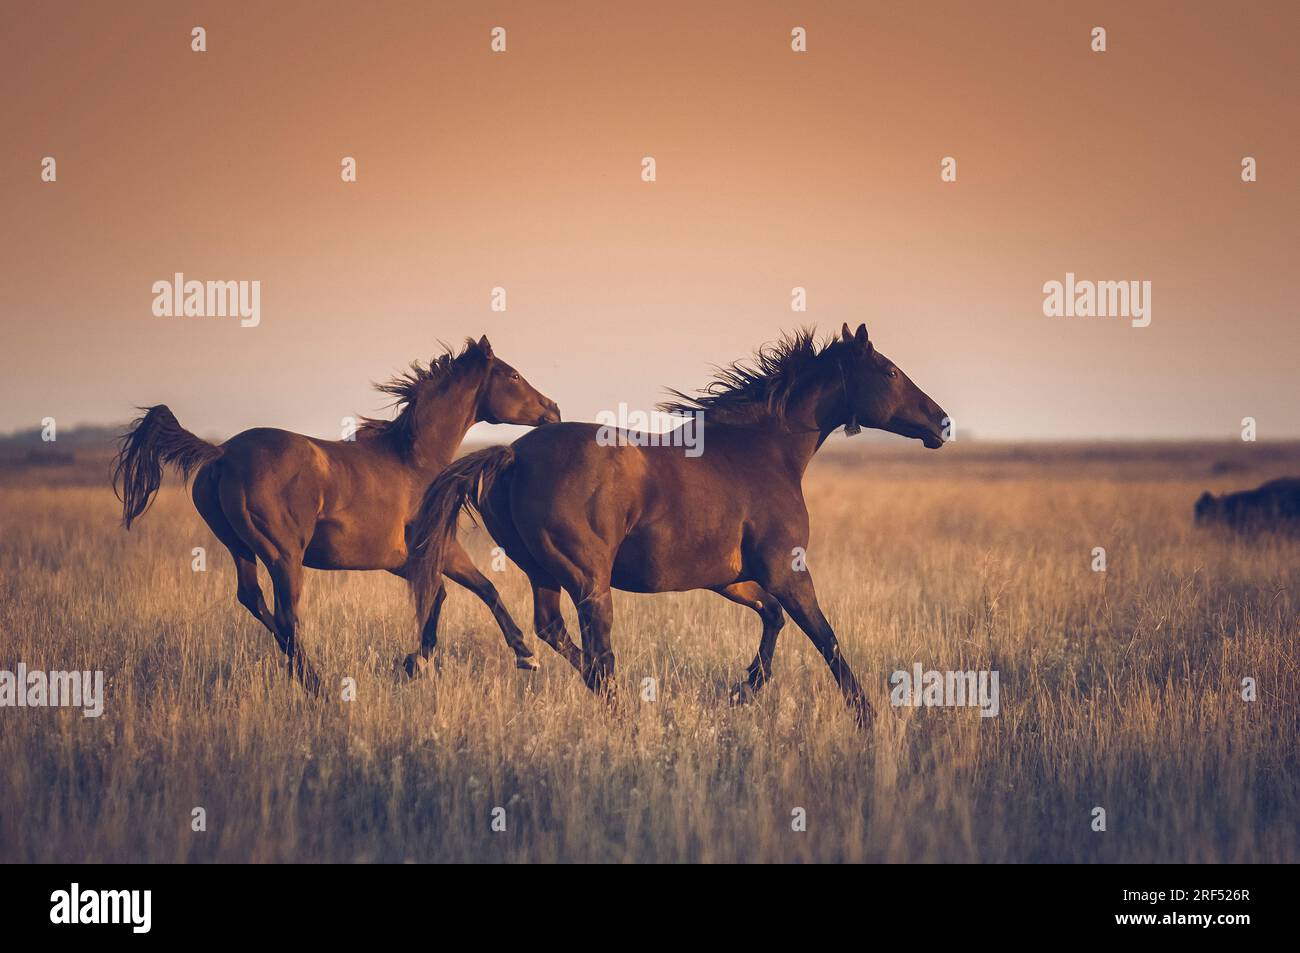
294, 501
578, 514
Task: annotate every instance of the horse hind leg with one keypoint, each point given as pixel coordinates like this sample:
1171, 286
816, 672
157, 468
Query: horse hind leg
596, 617
284, 564
595, 604
548, 621
581, 563
286, 580
754, 596
248, 590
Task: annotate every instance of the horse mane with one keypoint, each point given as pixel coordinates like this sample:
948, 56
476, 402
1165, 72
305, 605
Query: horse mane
409, 387
749, 392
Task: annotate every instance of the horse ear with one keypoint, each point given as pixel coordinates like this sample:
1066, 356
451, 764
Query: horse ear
845, 333
485, 346
860, 340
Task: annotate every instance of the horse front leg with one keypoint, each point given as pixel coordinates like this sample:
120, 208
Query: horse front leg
417, 661
794, 589
459, 568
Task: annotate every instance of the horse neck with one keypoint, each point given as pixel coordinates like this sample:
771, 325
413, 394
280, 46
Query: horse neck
442, 420
815, 408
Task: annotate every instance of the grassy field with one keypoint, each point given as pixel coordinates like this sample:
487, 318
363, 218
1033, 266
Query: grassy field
1119, 689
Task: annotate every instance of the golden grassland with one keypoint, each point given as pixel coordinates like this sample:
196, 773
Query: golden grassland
1119, 689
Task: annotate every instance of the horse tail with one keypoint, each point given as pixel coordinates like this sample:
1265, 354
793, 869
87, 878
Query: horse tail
464, 484
155, 438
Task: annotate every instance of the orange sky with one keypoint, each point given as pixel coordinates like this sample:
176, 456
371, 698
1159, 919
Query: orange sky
775, 169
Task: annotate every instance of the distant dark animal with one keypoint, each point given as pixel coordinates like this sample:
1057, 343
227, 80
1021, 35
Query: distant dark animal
580, 515
1275, 505
294, 501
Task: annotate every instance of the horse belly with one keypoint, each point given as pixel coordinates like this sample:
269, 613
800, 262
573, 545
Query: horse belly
337, 545
667, 563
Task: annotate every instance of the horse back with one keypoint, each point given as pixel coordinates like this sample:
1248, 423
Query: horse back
350, 481
571, 460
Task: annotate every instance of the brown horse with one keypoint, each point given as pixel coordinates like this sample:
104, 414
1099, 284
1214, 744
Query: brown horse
294, 501
580, 515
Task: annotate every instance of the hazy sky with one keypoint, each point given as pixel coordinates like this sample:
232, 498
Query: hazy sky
775, 169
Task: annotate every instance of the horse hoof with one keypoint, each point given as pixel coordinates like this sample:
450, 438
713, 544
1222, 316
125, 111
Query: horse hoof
528, 663
415, 665
863, 714
309, 681
742, 694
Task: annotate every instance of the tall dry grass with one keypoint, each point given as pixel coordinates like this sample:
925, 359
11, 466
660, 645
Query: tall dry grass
1118, 689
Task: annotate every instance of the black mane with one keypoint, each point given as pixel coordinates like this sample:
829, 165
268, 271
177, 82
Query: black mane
747, 392
408, 387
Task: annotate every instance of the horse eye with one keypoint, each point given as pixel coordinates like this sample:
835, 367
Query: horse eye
893, 373
514, 376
